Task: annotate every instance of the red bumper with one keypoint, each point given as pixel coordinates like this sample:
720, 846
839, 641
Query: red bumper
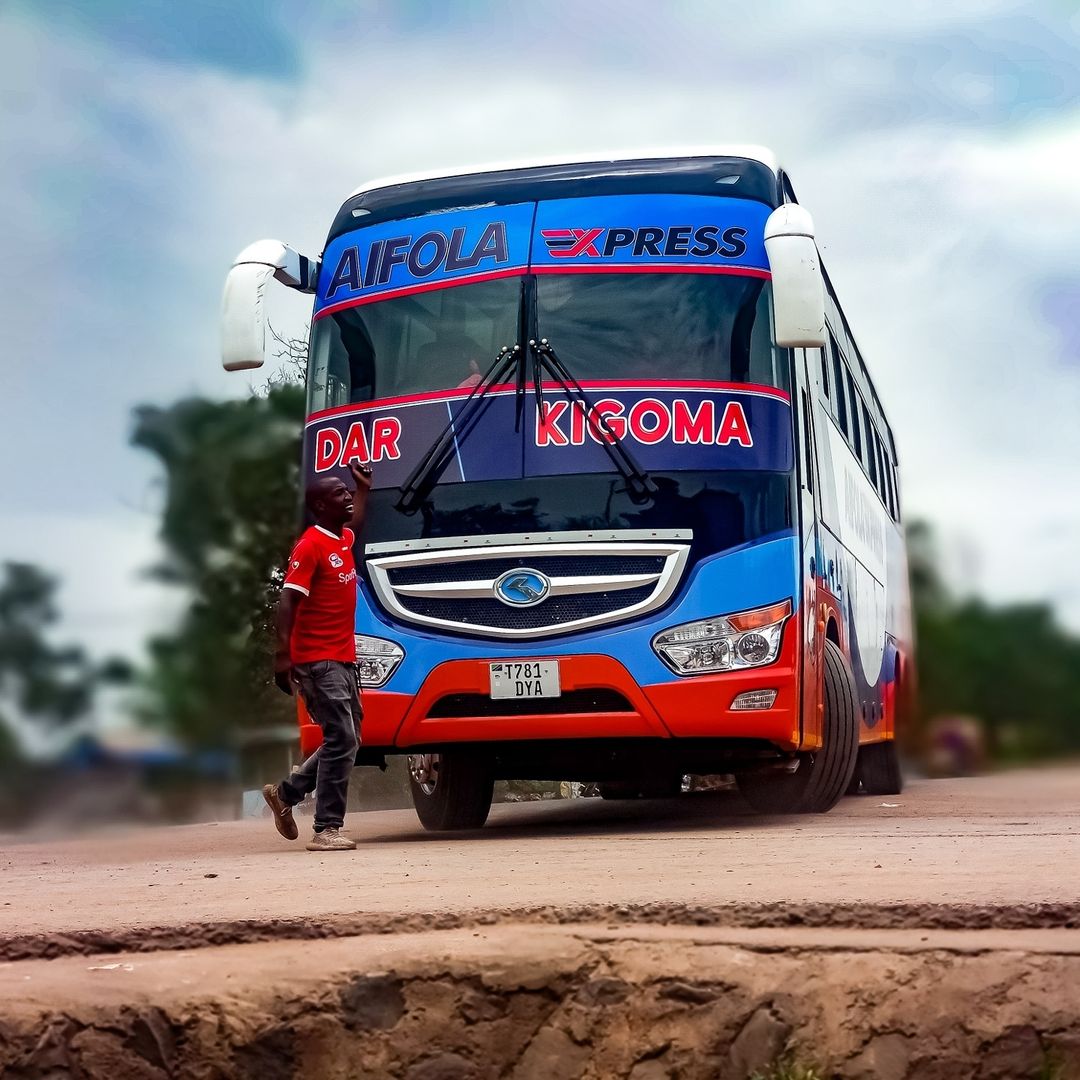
697, 707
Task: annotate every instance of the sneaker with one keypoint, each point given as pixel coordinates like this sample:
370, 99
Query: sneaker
283, 819
330, 840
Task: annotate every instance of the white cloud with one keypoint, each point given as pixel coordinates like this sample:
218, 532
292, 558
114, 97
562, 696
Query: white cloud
133, 183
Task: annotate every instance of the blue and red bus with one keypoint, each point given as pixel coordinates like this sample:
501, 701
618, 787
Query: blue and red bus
635, 510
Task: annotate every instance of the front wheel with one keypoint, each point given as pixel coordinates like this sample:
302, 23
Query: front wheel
451, 790
817, 780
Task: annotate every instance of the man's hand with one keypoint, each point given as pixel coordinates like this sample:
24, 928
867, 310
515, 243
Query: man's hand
361, 474
283, 677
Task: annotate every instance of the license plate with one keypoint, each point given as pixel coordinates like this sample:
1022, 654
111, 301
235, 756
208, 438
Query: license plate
521, 679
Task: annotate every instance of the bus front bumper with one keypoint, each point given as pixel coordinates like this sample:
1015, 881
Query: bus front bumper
600, 700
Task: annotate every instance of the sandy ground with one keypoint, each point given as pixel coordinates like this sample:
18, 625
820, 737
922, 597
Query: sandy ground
1012, 839
574, 1002
930, 935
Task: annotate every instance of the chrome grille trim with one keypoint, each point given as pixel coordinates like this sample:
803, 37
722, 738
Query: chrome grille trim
435, 543
560, 586
452, 551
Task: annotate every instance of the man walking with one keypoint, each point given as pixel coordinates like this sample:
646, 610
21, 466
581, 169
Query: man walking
316, 651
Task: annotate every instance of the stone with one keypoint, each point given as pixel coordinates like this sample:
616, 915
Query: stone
884, 1057
552, 1055
653, 1069
372, 1003
604, 992
1017, 1052
443, 1067
760, 1042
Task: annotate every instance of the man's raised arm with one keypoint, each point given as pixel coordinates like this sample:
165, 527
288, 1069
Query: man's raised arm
361, 475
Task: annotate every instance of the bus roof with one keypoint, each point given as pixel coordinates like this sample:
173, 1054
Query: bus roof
752, 153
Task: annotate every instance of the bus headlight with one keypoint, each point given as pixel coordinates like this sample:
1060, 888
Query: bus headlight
376, 659
748, 639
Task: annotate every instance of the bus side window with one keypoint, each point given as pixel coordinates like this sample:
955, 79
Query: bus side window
853, 397
883, 474
871, 456
808, 445
894, 508
824, 373
838, 382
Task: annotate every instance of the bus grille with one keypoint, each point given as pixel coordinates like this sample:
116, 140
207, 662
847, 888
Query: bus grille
589, 583
572, 702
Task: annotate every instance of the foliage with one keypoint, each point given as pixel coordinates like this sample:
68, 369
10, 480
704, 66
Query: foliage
50, 685
1013, 666
788, 1068
230, 515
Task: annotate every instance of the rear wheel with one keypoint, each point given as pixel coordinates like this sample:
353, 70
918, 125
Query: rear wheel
817, 780
451, 790
878, 768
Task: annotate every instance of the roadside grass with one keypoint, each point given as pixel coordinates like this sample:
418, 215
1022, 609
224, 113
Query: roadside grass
789, 1068
1051, 1068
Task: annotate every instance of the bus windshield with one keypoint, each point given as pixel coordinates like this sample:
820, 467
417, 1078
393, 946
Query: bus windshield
414, 344
649, 326
713, 327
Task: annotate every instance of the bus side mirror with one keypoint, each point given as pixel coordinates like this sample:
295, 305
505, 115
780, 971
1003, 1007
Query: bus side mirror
243, 318
798, 286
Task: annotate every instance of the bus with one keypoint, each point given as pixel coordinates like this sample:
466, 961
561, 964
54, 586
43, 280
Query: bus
635, 511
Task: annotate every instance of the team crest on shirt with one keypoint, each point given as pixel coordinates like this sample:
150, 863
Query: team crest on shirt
336, 560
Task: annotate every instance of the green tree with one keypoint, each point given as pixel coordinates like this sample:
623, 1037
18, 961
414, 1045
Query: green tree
48, 685
230, 515
1014, 667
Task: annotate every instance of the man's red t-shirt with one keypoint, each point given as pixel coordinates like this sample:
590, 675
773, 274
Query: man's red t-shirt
321, 567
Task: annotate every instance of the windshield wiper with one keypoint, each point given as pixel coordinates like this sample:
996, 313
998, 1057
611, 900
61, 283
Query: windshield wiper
639, 485
442, 451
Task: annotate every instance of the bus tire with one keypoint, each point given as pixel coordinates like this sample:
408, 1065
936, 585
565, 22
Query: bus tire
879, 768
450, 790
823, 776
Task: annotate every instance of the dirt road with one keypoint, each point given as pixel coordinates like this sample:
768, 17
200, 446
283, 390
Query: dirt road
930, 935
1012, 839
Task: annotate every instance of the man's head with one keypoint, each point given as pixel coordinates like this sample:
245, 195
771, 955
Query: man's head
330, 501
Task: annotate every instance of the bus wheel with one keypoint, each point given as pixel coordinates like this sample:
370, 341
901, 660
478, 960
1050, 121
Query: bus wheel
879, 768
819, 778
451, 790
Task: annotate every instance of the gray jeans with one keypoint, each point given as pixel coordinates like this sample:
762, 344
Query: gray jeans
331, 693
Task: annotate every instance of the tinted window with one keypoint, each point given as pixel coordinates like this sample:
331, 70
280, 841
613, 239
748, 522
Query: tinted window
673, 326
824, 372
808, 446
428, 341
853, 398
871, 456
838, 383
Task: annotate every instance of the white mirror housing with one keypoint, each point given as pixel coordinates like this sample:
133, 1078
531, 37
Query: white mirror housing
798, 285
243, 318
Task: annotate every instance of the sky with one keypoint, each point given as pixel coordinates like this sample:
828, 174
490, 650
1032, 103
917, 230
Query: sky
146, 142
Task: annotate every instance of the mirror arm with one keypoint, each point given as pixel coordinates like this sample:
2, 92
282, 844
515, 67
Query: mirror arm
290, 267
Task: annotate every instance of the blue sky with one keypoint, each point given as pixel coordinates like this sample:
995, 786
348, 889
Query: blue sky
146, 143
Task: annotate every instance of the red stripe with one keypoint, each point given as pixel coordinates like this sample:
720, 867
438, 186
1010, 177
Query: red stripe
411, 290
458, 394
650, 268
582, 268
